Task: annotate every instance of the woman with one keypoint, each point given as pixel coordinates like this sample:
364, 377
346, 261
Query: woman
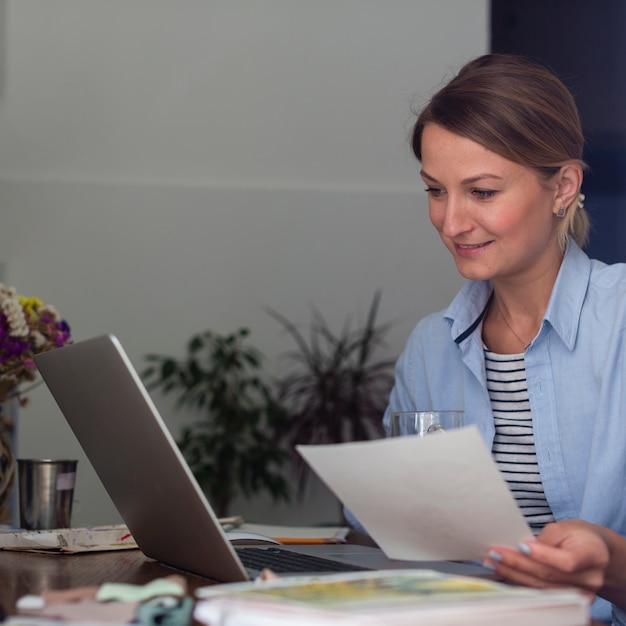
531, 348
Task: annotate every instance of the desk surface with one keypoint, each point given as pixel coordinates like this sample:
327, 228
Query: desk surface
23, 573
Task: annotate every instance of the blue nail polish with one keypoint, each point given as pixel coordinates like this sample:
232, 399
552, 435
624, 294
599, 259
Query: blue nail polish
494, 556
490, 566
523, 548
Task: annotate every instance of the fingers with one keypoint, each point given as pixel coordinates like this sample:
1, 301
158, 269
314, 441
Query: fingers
267, 574
513, 569
517, 567
570, 560
542, 566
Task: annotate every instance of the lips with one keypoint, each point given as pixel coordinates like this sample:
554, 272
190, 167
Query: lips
466, 246
470, 250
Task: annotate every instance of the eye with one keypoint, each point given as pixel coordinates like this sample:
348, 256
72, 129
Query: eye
484, 194
435, 192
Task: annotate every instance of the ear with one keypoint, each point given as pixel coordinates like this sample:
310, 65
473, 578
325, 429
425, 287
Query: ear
568, 183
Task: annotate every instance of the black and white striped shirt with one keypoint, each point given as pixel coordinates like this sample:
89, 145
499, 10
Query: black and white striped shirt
514, 444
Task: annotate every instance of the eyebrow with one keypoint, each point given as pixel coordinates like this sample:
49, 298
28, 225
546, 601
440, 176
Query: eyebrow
465, 181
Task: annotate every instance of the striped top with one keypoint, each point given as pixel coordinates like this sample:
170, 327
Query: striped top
514, 443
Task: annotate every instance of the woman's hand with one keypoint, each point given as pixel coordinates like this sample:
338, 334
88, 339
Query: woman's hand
569, 553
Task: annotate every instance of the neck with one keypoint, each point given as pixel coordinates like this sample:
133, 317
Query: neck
510, 325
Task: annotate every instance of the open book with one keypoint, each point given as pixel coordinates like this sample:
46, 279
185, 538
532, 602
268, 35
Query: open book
69, 540
393, 598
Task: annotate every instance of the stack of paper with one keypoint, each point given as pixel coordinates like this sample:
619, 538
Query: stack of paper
298, 534
393, 598
67, 540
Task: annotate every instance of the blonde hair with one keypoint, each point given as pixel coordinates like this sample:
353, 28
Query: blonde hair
519, 110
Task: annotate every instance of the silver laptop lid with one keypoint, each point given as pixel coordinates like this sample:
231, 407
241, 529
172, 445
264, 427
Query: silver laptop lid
119, 428
136, 458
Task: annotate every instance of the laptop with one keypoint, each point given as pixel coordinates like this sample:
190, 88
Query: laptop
141, 467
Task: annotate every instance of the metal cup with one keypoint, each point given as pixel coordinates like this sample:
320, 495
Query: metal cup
46, 492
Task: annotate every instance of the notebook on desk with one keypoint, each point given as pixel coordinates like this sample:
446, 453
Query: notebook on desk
128, 444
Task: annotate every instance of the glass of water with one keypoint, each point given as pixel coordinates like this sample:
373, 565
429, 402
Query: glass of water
422, 423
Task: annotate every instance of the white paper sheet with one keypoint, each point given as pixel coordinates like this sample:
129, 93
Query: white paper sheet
434, 498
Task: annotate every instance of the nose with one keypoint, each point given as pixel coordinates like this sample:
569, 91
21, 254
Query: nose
450, 217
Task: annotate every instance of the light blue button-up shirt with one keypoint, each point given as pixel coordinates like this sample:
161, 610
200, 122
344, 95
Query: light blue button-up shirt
576, 372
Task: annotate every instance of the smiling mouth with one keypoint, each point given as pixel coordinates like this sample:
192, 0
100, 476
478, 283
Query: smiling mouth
463, 246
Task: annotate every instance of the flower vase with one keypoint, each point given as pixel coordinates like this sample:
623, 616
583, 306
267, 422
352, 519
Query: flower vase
27, 327
7, 479
7, 461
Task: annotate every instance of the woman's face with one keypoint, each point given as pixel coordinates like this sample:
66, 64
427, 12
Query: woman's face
495, 216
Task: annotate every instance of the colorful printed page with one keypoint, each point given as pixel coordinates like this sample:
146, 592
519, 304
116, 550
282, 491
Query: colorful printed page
403, 597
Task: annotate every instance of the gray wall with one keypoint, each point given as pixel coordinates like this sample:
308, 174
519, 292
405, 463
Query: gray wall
169, 167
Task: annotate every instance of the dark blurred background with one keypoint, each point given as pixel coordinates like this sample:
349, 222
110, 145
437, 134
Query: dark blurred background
584, 42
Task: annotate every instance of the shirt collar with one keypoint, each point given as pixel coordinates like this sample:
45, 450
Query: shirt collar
564, 308
568, 295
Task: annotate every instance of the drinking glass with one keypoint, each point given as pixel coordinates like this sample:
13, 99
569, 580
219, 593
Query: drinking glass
422, 423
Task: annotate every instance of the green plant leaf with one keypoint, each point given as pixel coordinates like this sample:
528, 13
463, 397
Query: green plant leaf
334, 391
233, 449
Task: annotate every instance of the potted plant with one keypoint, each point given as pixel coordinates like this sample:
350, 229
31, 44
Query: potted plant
336, 391
231, 450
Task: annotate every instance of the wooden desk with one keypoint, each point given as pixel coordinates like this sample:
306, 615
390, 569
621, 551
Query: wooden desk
23, 573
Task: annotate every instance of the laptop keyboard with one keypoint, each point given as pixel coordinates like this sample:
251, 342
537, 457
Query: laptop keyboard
285, 562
